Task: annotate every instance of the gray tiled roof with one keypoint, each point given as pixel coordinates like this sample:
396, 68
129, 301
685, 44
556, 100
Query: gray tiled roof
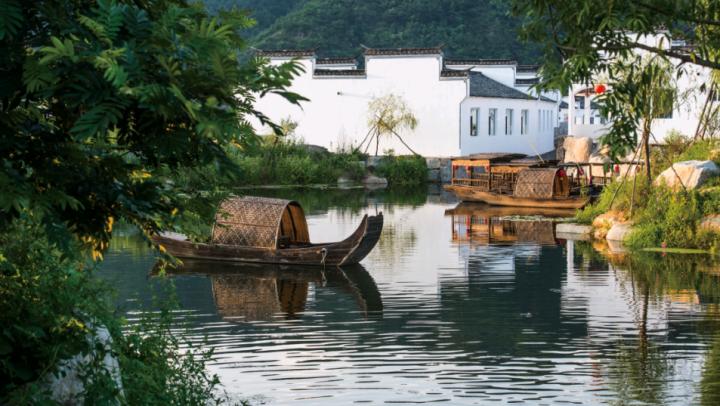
339, 72
336, 61
450, 61
526, 81
527, 68
403, 51
285, 52
483, 86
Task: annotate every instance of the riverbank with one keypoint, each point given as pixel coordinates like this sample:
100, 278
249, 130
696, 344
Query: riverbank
656, 214
291, 163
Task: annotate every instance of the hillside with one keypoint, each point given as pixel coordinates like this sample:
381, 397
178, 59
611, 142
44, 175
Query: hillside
466, 28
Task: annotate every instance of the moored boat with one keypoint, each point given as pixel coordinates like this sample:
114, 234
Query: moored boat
264, 230
508, 180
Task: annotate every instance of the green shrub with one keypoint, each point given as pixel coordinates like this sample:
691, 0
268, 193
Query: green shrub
403, 170
49, 302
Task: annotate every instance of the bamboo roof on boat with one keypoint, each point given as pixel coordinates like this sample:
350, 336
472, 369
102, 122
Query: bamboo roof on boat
260, 222
536, 183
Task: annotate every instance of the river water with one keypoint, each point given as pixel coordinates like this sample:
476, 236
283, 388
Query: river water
456, 305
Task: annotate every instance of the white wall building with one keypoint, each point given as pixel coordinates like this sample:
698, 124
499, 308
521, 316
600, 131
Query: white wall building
584, 118
462, 106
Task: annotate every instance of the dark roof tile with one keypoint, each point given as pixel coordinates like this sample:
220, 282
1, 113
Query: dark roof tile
480, 62
402, 51
336, 61
453, 73
526, 82
340, 72
285, 52
483, 86
527, 68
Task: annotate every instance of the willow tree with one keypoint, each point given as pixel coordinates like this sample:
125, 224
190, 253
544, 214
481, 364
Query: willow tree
103, 102
388, 116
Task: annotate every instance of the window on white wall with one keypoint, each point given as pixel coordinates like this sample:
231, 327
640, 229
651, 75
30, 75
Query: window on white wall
492, 115
474, 120
524, 114
539, 119
508, 121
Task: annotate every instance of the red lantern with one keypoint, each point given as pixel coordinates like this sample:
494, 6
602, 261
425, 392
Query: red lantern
600, 88
617, 169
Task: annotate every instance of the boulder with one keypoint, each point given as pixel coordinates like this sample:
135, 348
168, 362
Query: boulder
711, 223
604, 222
692, 174
577, 149
573, 231
344, 181
66, 384
374, 182
619, 231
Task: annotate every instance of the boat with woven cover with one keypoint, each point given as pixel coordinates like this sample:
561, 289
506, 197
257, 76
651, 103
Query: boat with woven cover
510, 180
265, 230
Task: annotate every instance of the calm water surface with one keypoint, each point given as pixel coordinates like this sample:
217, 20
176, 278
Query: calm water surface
463, 306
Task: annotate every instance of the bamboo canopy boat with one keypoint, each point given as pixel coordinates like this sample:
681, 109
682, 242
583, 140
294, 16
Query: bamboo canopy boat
264, 230
514, 180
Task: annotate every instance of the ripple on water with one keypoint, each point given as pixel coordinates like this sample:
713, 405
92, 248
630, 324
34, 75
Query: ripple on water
432, 318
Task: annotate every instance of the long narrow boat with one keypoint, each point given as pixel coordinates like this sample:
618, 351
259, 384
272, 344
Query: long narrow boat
507, 180
263, 230
470, 194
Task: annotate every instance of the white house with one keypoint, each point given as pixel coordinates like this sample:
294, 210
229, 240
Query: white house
584, 118
462, 106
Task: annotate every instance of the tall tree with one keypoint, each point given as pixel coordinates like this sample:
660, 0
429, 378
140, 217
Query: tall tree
101, 102
587, 38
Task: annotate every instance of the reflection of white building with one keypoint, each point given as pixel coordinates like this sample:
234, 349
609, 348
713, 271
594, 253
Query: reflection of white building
584, 116
462, 106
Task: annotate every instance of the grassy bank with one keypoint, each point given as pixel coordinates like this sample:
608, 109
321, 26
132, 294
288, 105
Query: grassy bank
289, 162
661, 216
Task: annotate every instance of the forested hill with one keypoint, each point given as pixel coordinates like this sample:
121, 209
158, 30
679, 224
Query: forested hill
466, 28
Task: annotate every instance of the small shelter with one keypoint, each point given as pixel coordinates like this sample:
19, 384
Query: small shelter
542, 183
260, 222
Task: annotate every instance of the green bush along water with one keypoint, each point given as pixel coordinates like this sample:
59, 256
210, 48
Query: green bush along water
660, 215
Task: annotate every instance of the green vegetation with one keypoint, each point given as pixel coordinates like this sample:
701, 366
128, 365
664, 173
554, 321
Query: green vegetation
52, 304
660, 215
102, 105
466, 28
408, 170
292, 163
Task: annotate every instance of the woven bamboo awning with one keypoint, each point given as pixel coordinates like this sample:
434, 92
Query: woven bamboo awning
539, 183
260, 222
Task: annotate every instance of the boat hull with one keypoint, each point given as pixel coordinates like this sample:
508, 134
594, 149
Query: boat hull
349, 251
470, 194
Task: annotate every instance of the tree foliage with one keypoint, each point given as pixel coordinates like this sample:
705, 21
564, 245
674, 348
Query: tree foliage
587, 39
388, 116
466, 28
102, 102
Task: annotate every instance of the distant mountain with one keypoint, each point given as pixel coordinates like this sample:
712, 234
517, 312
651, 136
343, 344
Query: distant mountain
466, 28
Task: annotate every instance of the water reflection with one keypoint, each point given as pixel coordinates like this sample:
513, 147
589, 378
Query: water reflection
254, 292
485, 224
463, 304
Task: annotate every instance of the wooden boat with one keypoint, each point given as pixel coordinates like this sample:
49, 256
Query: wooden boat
264, 230
506, 180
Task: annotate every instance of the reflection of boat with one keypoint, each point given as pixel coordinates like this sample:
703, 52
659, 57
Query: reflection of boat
257, 229
508, 180
486, 224
259, 291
